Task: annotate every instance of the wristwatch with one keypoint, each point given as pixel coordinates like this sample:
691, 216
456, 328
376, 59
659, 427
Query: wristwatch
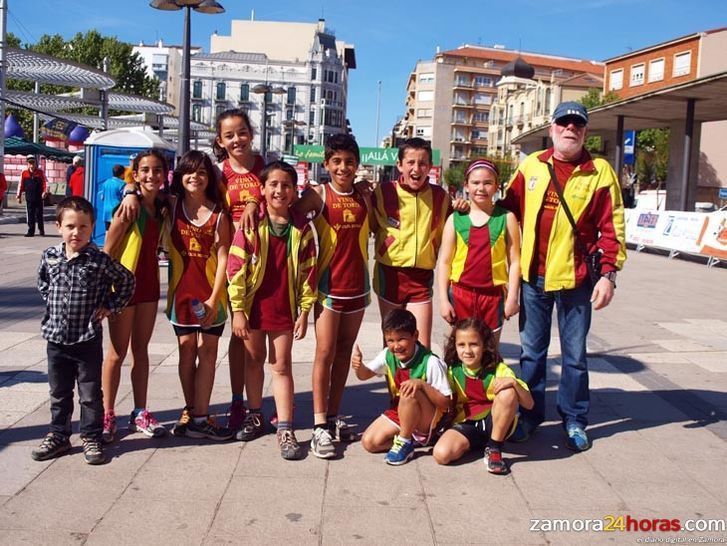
611, 276
131, 192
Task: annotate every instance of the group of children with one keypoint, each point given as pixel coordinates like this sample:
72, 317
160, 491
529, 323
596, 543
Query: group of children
241, 240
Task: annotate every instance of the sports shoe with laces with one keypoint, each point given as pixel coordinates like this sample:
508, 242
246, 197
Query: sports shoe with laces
109, 427
289, 447
180, 427
577, 439
236, 415
252, 427
400, 453
209, 429
53, 445
147, 424
321, 443
494, 461
93, 451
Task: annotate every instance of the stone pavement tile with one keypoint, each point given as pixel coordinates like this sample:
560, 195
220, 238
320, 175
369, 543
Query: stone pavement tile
269, 510
17, 400
173, 521
17, 469
70, 482
680, 345
357, 481
261, 458
376, 525
658, 358
16, 358
42, 536
11, 338
710, 361
680, 441
30, 429
29, 381
481, 520
9, 418
194, 472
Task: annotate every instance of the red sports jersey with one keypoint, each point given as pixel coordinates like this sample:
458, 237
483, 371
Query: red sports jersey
241, 188
343, 232
271, 305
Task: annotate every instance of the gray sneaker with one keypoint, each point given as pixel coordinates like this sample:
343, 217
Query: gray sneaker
53, 445
343, 431
289, 447
321, 444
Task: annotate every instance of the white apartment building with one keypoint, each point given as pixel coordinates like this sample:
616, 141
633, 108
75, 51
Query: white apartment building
297, 73
163, 62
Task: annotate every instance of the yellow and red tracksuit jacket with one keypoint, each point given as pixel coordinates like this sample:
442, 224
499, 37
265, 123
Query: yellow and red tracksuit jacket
594, 198
409, 225
246, 266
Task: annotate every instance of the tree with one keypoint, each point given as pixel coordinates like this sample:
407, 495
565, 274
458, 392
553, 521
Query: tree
454, 176
592, 99
652, 156
90, 49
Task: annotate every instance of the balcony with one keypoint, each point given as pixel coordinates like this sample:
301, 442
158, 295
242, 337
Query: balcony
459, 140
462, 104
460, 121
463, 84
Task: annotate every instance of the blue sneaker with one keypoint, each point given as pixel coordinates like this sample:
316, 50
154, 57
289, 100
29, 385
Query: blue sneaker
400, 452
577, 439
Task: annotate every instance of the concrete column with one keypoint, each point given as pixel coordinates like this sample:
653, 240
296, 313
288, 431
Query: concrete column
681, 177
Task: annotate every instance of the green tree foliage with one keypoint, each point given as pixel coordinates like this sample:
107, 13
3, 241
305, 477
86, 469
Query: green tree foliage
592, 99
454, 176
652, 156
90, 49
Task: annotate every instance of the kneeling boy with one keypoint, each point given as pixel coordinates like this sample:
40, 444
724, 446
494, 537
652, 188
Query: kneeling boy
418, 385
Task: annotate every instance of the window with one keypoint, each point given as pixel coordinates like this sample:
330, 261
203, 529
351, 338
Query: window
197, 90
312, 94
196, 112
291, 95
245, 92
547, 100
483, 81
481, 116
426, 77
478, 134
313, 73
221, 88
424, 132
219, 109
616, 80
682, 63
312, 117
637, 74
289, 114
425, 95
656, 70
482, 98
424, 113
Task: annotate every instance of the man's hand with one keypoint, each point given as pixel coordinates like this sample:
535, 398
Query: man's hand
239, 325
602, 293
512, 307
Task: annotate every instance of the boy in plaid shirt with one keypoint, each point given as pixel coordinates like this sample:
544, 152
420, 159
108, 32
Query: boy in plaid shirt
75, 280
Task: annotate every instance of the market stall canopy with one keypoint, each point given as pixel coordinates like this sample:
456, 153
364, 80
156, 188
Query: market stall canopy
23, 64
18, 146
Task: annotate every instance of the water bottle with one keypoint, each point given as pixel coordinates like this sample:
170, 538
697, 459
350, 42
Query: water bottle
198, 309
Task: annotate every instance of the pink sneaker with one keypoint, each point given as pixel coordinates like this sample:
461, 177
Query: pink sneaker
147, 424
236, 415
109, 427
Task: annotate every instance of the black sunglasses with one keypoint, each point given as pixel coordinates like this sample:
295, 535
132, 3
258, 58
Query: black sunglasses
565, 121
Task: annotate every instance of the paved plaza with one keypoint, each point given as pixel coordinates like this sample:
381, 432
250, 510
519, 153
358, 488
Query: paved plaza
658, 423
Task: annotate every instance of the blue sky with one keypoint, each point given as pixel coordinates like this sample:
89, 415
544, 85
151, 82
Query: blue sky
390, 36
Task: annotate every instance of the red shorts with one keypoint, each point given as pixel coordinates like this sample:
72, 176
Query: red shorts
423, 438
344, 305
403, 285
486, 304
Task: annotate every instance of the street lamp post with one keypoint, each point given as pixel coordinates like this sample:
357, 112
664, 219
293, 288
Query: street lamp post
265, 89
202, 6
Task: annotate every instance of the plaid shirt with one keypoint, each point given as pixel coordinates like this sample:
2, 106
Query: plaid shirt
75, 289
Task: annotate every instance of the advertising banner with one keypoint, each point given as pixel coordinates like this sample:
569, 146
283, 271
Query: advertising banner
713, 241
369, 156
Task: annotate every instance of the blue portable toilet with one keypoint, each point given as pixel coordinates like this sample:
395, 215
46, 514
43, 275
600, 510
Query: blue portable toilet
108, 148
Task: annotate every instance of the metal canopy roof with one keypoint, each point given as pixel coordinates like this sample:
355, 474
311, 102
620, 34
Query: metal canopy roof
58, 103
132, 103
655, 109
22, 64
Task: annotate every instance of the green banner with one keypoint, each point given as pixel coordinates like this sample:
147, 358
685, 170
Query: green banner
369, 156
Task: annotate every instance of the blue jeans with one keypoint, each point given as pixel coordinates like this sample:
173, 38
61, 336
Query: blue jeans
574, 320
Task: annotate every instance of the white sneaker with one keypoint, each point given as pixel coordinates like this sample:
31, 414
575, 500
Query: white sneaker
321, 444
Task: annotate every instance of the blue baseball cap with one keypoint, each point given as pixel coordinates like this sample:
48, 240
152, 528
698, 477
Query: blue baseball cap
570, 108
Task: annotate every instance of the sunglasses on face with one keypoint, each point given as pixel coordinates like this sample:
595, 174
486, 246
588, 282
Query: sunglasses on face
565, 121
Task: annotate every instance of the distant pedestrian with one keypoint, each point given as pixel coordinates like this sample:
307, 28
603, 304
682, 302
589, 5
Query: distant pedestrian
3, 191
570, 210
77, 160
35, 187
80, 286
112, 191
77, 181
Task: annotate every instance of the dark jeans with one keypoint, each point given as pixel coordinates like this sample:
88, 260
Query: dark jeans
67, 364
34, 210
574, 320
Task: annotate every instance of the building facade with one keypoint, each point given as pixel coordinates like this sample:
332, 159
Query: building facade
449, 99
164, 62
667, 64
